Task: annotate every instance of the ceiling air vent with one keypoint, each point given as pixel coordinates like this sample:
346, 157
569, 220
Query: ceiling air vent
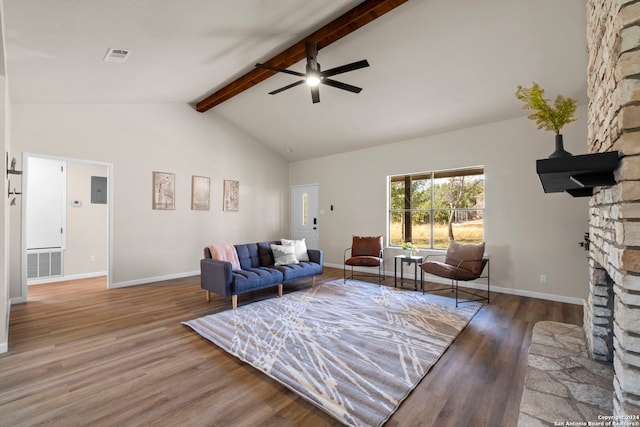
116, 55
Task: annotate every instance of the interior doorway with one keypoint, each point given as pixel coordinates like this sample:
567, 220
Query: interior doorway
77, 240
45, 215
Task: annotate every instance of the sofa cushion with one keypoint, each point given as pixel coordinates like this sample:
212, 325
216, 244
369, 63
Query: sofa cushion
300, 248
255, 278
284, 255
303, 269
265, 254
248, 255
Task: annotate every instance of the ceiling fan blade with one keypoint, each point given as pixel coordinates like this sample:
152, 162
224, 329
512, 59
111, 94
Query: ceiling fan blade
345, 68
282, 70
298, 83
340, 85
315, 94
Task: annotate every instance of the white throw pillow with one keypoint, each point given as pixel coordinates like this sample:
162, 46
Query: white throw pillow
300, 248
284, 255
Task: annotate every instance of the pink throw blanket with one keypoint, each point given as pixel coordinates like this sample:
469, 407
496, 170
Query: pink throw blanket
226, 252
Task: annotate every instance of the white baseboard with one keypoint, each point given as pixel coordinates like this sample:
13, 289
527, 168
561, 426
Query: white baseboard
479, 285
153, 279
539, 295
4, 347
43, 281
17, 300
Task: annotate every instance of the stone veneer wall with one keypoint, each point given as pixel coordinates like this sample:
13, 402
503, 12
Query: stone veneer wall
613, 43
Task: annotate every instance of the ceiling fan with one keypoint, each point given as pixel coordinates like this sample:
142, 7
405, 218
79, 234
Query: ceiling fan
315, 77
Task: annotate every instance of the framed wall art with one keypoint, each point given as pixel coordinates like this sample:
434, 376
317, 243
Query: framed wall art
231, 195
164, 191
200, 193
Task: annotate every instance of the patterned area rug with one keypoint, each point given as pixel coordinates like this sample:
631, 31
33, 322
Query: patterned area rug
356, 350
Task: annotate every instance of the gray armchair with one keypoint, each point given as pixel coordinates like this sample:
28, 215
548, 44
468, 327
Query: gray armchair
461, 262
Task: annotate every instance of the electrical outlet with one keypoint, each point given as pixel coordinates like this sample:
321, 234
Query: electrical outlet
543, 279
92, 258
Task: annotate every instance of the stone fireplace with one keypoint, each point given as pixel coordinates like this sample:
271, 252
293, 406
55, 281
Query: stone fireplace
612, 309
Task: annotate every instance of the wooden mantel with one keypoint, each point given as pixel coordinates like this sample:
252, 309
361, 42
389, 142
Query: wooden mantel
345, 24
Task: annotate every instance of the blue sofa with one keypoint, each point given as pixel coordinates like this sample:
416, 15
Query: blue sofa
257, 271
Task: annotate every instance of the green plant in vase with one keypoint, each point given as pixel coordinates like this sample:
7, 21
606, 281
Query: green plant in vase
410, 247
548, 117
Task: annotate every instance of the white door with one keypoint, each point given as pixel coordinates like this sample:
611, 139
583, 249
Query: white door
304, 214
45, 203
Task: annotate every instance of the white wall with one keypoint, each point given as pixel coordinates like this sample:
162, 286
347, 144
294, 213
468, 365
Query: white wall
86, 225
139, 139
528, 232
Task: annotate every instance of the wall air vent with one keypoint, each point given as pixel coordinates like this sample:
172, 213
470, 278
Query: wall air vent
116, 55
44, 263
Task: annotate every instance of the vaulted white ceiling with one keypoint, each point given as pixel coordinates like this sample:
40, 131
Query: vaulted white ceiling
436, 65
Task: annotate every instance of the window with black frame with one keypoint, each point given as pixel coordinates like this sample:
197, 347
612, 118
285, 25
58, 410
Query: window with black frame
431, 208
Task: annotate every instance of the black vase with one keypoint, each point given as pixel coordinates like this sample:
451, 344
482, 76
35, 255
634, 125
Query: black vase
560, 151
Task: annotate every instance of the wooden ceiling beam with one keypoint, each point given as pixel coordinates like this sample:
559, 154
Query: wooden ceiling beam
345, 24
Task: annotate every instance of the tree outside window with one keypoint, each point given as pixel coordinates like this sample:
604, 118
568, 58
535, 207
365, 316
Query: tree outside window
431, 208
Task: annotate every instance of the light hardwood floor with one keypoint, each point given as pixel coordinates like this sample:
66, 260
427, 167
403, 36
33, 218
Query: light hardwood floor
80, 354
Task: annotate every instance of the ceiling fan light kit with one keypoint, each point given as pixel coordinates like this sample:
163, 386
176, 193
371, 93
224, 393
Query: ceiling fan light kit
313, 79
314, 76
